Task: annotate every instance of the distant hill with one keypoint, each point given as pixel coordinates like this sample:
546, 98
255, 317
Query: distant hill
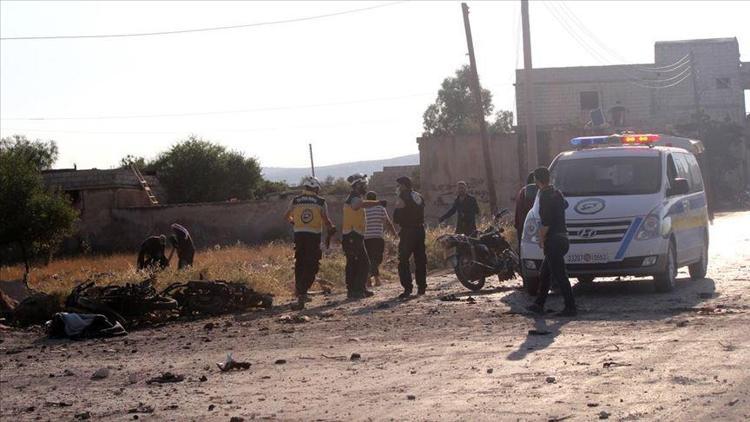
293, 175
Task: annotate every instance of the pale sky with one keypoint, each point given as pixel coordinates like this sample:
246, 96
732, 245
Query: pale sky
354, 85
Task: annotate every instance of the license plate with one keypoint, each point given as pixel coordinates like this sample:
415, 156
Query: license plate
587, 258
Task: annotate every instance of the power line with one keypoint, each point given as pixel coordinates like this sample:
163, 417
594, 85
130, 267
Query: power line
631, 78
212, 113
186, 31
577, 22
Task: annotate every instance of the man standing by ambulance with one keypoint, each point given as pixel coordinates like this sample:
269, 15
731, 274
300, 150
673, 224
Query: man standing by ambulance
308, 213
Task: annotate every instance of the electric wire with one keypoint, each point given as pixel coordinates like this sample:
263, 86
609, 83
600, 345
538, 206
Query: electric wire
577, 22
631, 78
194, 30
212, 113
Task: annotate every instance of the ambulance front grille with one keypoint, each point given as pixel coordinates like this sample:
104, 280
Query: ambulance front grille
597, 231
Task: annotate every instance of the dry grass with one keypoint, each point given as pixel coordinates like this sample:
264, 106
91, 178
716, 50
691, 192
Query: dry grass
268, 268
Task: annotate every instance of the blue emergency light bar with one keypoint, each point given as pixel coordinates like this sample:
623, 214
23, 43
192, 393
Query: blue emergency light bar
589, 141
626, 139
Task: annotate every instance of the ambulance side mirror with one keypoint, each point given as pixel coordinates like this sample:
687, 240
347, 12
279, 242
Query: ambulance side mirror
680, 186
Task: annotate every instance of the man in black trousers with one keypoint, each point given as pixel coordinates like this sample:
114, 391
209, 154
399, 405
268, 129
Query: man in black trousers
553, 238
409, 215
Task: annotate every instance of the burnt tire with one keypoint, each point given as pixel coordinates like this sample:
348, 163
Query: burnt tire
665, 282
464, 264
531, 285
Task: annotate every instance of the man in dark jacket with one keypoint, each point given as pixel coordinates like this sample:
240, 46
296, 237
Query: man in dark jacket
409, 216
151, 253
553, 238
183, 242
524, 202
467, 209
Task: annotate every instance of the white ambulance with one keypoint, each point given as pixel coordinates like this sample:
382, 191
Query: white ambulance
636, 207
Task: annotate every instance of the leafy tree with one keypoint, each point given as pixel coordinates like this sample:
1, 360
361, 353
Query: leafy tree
453, 113
267, 187
503, 122
42, 154
196, 170
31, 217
129, 160
722, 140
333, 186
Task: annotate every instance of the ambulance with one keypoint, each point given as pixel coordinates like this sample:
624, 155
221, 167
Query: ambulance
636, 207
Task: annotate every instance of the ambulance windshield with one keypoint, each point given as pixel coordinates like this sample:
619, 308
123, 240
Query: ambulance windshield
603, 176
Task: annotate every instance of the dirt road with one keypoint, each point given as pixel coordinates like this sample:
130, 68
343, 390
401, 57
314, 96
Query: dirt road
631, 355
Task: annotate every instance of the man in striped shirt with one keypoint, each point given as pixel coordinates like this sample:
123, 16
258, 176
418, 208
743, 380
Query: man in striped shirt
376, 221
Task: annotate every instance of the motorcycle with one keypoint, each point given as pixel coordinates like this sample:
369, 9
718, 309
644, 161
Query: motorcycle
475, 258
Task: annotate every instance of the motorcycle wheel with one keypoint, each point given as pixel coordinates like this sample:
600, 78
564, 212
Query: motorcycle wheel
473, 285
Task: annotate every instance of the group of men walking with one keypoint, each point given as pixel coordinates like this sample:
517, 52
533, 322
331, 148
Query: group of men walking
365, 220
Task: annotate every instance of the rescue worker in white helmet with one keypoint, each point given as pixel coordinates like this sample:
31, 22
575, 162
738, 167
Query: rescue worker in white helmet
308, 213
353, 238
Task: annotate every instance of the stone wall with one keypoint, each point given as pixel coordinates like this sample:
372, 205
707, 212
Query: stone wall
216, 223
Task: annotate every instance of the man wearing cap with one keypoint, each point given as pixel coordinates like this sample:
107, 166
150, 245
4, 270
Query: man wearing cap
467, 210
409, 215
353, 238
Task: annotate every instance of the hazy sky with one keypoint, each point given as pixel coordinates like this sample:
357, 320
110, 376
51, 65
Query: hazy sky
354, 85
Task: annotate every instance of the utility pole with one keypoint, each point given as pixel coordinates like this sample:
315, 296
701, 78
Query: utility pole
477, 91
312, 163
528, 91
694, 74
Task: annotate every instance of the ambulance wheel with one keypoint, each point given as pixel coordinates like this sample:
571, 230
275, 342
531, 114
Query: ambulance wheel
665, 281
531, 285
699, 269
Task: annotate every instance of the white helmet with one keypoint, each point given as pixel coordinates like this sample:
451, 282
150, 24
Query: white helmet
310, 182
356, 178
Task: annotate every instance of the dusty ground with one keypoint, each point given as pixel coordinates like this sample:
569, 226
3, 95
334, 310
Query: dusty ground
631, 354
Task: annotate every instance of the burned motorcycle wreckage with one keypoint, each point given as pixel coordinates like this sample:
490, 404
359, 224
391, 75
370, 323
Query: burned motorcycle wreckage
134, 304
129, 304
204, 297
474, 258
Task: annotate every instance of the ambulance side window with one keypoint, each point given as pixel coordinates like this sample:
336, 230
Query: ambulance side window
671, 169
695, 174
683, 169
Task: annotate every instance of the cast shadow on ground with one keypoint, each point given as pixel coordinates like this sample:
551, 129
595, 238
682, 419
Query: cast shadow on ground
610, 300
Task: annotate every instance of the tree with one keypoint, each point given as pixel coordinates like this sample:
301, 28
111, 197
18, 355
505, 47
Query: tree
31, 217
42, 154
453, 112
196, 170
333, 186
130, 160
503, 122
267, 187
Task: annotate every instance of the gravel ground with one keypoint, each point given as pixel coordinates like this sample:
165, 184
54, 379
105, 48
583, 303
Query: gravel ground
632, 354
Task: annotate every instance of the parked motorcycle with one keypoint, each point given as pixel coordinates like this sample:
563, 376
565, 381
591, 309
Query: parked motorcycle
476, 258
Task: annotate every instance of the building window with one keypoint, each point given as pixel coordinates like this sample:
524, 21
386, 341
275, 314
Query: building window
722, 83
589, 100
